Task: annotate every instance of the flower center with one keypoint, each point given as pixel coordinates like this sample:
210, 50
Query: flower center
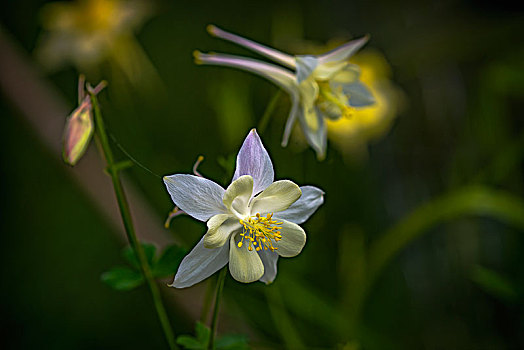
259, 231
327, 99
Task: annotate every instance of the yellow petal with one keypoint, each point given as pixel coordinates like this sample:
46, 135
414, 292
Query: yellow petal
277, 197
219, 228
237, 195
244, 265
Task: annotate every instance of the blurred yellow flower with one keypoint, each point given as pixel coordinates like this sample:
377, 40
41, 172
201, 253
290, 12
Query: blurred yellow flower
352, 134
85, 32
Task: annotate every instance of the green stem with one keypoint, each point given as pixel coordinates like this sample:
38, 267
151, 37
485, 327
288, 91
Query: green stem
208, 297
268, 112
218, 297
128, 223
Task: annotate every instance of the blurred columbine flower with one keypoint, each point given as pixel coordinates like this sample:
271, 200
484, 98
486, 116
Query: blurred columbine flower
86, 33
321, 87
250, 224
351, 135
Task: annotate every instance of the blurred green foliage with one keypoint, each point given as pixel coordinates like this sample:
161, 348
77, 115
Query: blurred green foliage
201, 340
126, 278
392, 259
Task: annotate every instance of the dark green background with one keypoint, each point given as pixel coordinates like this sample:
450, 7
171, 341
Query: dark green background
460, 65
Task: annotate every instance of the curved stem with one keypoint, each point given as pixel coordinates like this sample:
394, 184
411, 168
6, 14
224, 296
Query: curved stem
214, 320
475, 200
128, 222
468, 201
208, 298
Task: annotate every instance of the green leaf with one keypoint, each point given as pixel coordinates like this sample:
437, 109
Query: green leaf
493, 283
168, 263
479, 201
122, 278
200, 342
189, 342
202, 333
232, 342
129, 255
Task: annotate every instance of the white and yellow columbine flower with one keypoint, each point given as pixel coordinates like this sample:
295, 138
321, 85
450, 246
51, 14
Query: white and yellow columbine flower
250, 224
86, 32
321, 86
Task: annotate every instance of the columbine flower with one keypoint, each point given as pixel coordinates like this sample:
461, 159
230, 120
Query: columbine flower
250, 224
322, 86
85, 33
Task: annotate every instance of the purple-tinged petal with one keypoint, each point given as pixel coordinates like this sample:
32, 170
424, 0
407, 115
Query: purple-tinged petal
197, 196
278, 75
275, 55
312, 198
253, 159
199, 264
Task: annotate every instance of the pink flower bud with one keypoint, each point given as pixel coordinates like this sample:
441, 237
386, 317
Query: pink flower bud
78, 132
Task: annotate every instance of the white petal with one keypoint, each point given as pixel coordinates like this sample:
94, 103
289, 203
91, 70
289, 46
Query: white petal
277, 197
359, 94
269, 259
253, 159
244, 265
270, 53
237, 196
344, 51
292, 117
220, 227
293, 239
305, 67
316, 138
199, 264
305, 206
199, 197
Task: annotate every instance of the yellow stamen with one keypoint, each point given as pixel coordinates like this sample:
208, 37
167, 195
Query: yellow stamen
326, 94
259, 231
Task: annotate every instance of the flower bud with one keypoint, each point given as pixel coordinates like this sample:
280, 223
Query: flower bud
78, 133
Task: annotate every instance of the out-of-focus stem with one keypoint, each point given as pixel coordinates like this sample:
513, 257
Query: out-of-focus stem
269, 111
125, 213
214, 321
208, 297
